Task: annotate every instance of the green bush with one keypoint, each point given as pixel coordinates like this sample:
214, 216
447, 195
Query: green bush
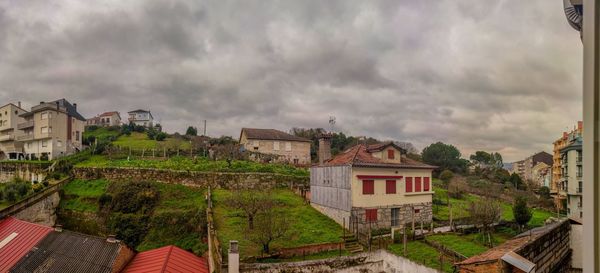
134, 197
131, 228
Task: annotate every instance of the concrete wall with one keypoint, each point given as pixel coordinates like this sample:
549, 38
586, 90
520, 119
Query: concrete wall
194, 179
377, 261
577, 246
42, 212
25, 171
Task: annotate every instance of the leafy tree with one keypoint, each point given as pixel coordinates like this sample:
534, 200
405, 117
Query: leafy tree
481, 158
271, 225
445, 156
521, 211
544, 192
484, 213
161, 136
191, 131
251, 203
10, 195
516, 181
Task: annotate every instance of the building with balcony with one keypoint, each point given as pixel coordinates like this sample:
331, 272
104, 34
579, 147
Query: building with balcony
564, 141
525, 168
10, 146
571, 183
141, 118
106, 119
51, 130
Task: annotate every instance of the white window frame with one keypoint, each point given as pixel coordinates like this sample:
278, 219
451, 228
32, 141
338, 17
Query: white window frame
44, 143
44, 130
275, 145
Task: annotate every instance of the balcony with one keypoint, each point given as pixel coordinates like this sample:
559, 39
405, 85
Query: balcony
25, 125
25, 137
579, 161
7, 138
579, 189
579, 175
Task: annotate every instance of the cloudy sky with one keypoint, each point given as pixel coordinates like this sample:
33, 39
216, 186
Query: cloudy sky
494, 75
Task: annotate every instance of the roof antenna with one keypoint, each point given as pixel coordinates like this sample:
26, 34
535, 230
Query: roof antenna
331, 123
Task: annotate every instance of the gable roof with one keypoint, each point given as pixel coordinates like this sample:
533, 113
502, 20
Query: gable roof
108, 114
141, 111
16, 239
68, 251
360, 156
383, 145
270, 134
166, 260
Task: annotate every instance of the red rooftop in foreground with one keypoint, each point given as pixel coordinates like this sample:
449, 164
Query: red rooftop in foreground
168, 259
16, 239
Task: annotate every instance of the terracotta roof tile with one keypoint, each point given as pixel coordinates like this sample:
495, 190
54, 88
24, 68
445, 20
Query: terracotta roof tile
359, 155
16, 239
166, 260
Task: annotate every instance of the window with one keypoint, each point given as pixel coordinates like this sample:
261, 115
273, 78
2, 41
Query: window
417, 184
45, 115
368, 187
390, 154
395, 217
390, 186
276, 145
296, 161
288, 146
44, 130
417, 211
44, 143
426, 184
58, 143
409, 182
76, 135
371, 215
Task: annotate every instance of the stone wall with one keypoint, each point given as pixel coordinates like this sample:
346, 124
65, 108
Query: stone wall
372, 262
42, 212
551, 252
339, 216
194, 179
24, 170
423, 213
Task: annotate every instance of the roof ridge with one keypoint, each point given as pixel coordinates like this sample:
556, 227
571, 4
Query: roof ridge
167, 257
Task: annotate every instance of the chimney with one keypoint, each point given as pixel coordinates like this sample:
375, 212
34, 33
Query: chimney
19, 104
58, 228
233, 259
75, 106
580, 125
324, 152
111, 239
41, 102
57, 105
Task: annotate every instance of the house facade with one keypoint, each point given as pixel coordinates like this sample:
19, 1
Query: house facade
285, 147
524, 168
571, 183
541, 174
10, 147
141, 118
51, 130
557, 169
106, 119
370, 187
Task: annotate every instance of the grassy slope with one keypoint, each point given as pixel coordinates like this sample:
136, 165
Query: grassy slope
82, 195
461, 244
422, 253
140, 141
102, 133
308, 225
199, 164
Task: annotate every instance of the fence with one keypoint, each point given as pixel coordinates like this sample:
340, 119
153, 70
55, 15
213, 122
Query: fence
215, 260
25, 203
122, 152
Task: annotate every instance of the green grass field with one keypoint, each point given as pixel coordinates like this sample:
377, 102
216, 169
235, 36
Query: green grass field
424, 254
102, 133
140, 141
82, 195
199, 164
308, 226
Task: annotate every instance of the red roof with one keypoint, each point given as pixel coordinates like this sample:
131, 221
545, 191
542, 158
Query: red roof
360, 156
16, 239
108, 114
168, 259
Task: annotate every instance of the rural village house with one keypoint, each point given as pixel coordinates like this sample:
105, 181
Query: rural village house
141, 118
286, 147
105, 119
372, 187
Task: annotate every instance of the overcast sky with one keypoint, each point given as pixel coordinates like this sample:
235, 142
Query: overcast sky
500, 76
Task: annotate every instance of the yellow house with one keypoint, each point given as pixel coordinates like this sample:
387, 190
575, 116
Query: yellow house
373, 187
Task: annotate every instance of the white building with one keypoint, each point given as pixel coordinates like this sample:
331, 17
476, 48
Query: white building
141, 117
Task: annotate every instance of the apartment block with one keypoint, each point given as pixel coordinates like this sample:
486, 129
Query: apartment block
557, 170
51, 130
571, 183
10, 147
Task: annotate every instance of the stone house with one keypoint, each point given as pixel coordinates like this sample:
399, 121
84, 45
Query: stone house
10, 147
141, 117
369, 187
51, 129
106, 119
283, 146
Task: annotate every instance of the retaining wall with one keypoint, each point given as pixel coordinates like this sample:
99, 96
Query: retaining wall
23, 170
214, 180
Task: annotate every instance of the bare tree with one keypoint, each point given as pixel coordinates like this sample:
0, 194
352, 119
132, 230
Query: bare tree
251, 203
485, 212
270, 225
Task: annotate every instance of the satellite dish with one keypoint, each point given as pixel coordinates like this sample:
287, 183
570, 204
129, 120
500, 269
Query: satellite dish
574, 13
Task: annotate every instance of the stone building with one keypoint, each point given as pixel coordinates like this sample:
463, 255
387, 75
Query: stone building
557, 169
524, 168
571, 183
369, 187
10, 147
282, 146
51, 130
106, 119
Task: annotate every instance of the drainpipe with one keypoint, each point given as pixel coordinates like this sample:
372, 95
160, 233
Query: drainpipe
233, 259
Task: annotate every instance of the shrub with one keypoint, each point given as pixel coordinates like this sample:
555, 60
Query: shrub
10, 195
161, 136
131, 228
446, 176
521, 211
37, 187
104, 200
22, 189
133, 197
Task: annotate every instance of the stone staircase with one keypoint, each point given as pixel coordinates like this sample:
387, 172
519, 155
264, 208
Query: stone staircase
351, 244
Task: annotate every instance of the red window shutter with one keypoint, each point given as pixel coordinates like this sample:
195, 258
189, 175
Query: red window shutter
371, 215
390, 186
426, 184
417, 184
368, 187
390, 154
409, 182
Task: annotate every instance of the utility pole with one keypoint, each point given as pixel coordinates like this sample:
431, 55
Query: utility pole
204, 134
